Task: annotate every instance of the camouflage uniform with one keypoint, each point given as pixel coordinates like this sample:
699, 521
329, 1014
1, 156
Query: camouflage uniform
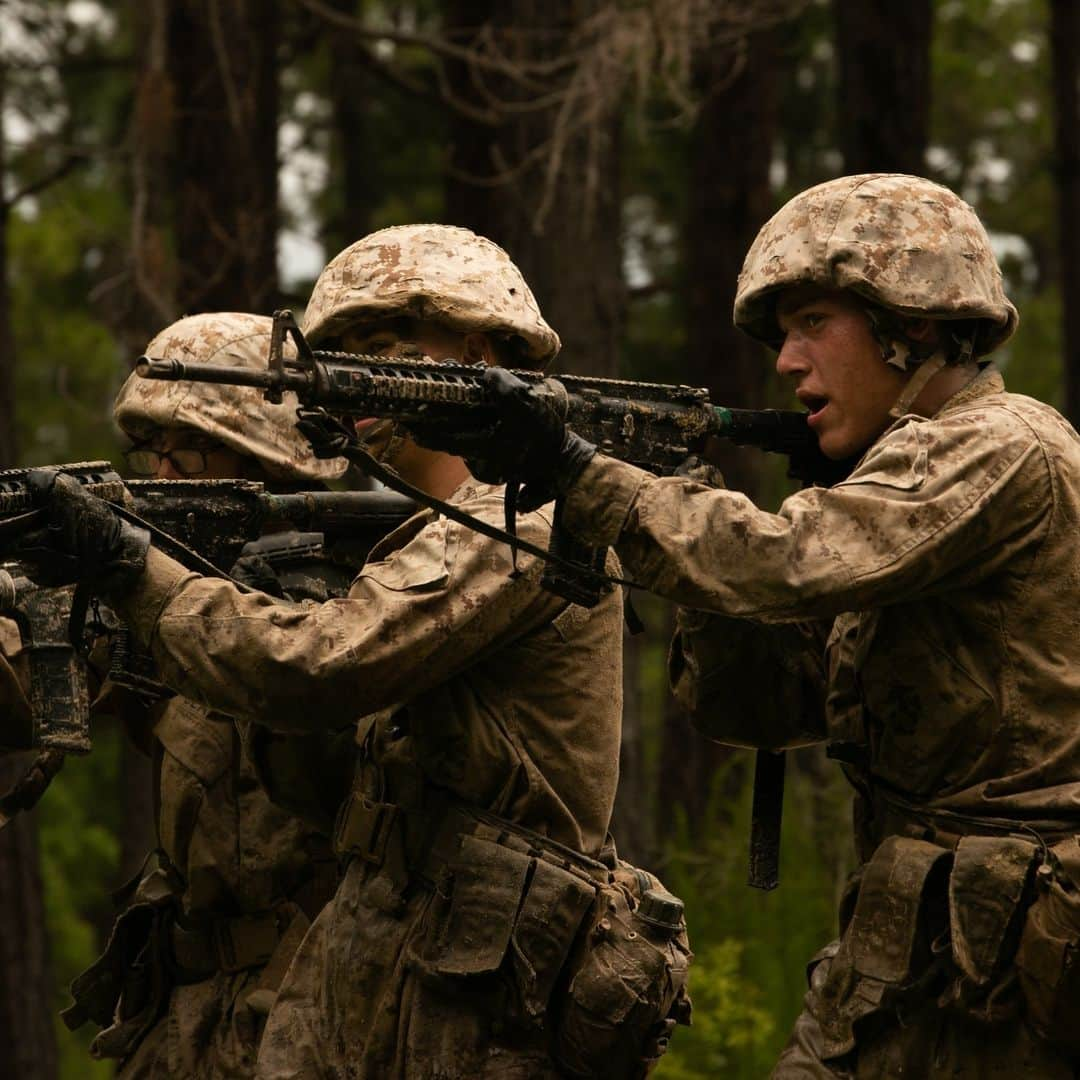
919, 617
488, 744
237, 879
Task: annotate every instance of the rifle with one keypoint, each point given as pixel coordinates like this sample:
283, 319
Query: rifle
207, 525
212, 519
655, 426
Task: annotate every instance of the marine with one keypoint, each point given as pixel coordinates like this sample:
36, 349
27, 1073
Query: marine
475, 839
209, 925
917, 617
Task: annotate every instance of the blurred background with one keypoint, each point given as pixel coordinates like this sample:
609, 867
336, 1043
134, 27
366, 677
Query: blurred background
164, 157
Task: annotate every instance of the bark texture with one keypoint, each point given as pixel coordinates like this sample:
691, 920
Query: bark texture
8, 446
560, 222
222, 62
883, 61
350, 94
1065, 39
27, 1036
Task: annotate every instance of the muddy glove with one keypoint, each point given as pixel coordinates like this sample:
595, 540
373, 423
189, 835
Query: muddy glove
257, 572
328, 435
86, 540
528, 443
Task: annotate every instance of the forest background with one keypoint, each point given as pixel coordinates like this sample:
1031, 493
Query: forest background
164, 157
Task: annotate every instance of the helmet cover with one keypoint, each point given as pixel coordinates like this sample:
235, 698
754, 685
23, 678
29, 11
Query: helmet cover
239, 417
902, 242
434, 273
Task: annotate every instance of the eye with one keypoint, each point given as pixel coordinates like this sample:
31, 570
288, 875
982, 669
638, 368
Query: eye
813, 320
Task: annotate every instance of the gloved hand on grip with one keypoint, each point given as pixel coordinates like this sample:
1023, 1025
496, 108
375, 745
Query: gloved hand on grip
85, 540
528, 443
327, 434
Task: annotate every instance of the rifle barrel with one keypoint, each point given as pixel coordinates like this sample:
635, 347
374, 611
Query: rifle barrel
175, 370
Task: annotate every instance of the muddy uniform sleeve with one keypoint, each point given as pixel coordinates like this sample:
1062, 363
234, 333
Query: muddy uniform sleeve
747, 683
411, 621
934, 504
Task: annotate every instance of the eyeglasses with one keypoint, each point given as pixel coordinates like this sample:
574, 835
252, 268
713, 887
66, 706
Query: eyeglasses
187, 461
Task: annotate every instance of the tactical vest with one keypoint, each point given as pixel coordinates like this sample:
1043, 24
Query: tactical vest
233, 875
588, 955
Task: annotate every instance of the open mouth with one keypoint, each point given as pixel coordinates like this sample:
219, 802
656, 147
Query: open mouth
814, 405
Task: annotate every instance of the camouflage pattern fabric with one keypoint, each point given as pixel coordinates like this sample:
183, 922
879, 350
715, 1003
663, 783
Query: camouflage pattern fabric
232, 851
237, 416
919, 617
480, 684
436, 273
901, 241
236, 853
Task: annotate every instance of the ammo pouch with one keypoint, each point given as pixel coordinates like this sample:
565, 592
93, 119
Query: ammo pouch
1048, 958
126, 990
577, 956
929, 924
883, 956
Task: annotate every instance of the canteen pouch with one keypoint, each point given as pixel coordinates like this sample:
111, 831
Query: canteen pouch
512, 912
626, 984
1048, 957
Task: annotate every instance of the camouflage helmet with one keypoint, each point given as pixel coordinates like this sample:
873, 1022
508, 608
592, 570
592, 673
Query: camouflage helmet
237, 416
903, 242
437, 273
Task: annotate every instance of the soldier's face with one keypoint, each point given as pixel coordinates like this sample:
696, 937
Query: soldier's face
835, 363
400, 338
183, 454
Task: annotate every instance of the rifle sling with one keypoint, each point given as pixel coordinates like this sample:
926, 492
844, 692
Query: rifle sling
765, 820
360, 457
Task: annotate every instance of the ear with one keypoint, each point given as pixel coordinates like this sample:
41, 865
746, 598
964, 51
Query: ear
921, 330
477, 349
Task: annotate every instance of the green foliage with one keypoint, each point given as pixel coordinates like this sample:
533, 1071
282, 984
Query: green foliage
730, 1024
756, 945
68, 366
79, 858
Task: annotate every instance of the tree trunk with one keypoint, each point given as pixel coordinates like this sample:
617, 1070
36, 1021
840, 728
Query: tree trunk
222, 65
350, 92
8, 444
27, 1035
152, 302
563, 231
883, 105
1065, 40
729, 200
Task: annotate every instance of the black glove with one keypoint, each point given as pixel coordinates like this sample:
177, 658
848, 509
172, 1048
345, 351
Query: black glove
529, 443
86, 540
328, 435
257, 572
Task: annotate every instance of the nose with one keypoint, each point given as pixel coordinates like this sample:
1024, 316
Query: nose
791, 360
167, 471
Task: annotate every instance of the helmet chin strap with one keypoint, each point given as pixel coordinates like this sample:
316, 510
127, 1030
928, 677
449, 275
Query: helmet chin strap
915, 385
